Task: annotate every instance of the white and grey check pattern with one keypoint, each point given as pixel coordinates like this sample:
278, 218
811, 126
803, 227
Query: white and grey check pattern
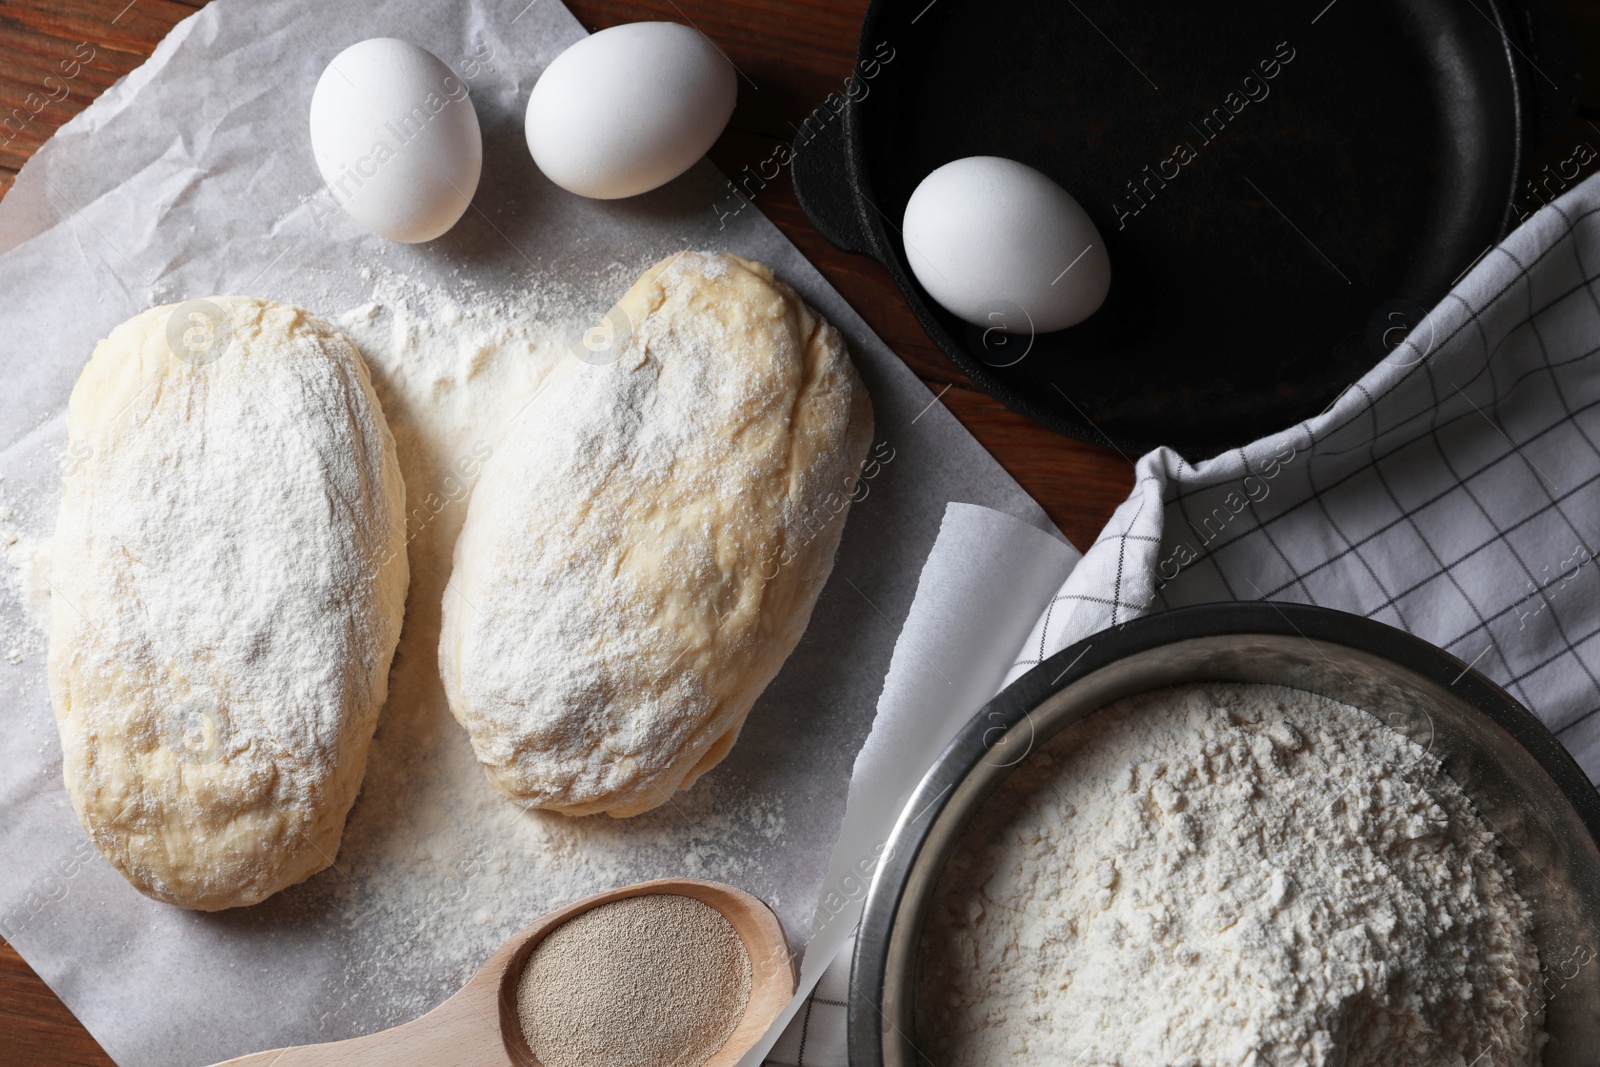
816, 1037
1454, 492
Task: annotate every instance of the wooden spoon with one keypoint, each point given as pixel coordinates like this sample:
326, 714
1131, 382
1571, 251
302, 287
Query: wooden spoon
479, 1026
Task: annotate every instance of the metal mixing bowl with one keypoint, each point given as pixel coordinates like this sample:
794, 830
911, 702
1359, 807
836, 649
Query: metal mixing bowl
1521, 780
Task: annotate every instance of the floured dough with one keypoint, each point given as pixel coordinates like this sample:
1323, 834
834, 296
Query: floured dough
229, 577
643, 551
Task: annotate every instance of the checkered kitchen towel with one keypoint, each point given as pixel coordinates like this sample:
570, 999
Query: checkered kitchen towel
1454, 492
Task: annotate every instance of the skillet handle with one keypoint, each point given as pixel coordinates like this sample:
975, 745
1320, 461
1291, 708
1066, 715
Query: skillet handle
822, 184
1548, 66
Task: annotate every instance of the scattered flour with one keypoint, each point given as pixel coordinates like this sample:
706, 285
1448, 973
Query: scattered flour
436, 867
460, 866
27, 579
1229, 874
25, 582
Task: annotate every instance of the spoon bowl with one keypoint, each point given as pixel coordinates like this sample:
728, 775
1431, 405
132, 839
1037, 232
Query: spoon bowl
479, 1025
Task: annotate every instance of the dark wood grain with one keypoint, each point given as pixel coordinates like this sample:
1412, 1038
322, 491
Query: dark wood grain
790, 53
35, 1027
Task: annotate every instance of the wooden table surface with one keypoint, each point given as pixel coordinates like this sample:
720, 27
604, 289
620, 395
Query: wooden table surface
794, 52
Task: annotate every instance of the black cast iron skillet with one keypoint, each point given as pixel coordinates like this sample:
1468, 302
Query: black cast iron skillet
1369, 152
1517, 775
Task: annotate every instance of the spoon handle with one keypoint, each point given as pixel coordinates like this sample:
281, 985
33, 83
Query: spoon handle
458, 1033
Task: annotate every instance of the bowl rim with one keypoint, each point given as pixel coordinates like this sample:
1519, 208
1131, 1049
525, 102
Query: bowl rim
990, 723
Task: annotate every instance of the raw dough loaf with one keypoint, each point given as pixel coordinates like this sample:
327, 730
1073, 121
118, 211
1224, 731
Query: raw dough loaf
229, 578
643, 551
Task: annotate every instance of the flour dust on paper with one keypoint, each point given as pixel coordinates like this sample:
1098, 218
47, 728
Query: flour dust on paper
436, 867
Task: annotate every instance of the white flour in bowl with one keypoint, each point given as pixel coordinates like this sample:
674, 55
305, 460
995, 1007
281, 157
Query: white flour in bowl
1229, 874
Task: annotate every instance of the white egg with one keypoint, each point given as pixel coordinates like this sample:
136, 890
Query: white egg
629, 108
997, 243
396, 139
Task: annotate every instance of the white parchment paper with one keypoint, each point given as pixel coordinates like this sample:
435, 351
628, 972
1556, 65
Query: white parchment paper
194, 176
966, 628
